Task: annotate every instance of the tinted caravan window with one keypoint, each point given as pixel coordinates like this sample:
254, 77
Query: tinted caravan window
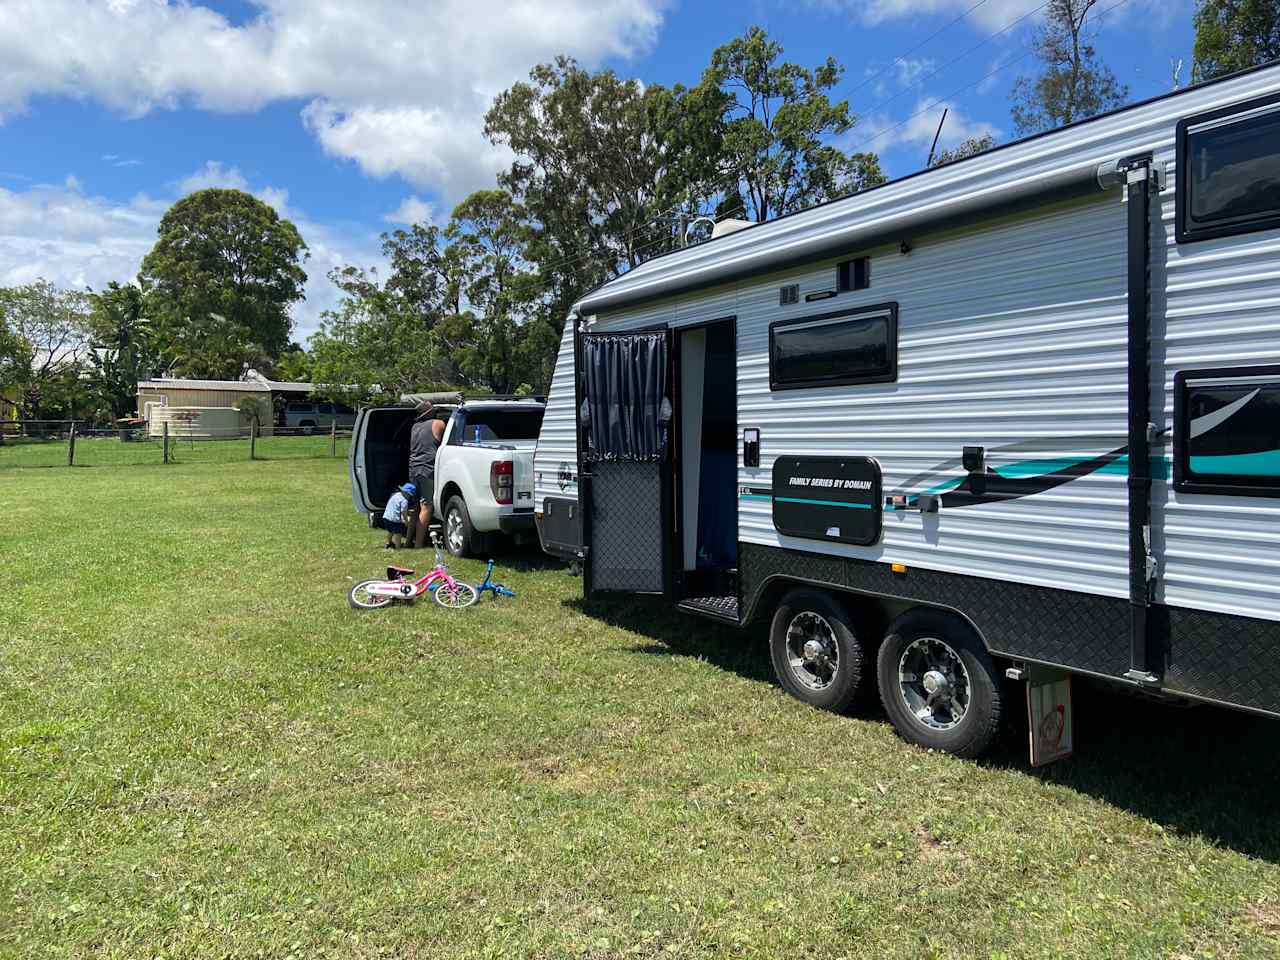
853, 346
1229, 172
1229, 432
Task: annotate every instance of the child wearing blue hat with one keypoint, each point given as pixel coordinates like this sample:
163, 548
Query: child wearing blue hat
395, 518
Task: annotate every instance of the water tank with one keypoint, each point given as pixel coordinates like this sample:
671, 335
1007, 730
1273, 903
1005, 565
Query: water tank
204, 423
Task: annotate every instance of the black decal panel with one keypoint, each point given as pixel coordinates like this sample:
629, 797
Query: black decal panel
827, 498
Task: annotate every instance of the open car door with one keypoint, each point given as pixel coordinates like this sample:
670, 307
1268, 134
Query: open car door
379, 458
624, 460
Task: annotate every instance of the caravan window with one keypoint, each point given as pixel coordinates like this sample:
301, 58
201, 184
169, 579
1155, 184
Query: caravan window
1228, 431
852, 346
1229, 171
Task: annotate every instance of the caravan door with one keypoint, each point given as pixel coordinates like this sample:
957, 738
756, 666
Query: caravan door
624, 460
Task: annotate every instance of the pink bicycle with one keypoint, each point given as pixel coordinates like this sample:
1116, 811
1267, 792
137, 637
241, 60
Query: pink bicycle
448, 593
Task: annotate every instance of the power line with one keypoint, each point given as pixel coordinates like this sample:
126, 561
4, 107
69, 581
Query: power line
715, 187
954, 60
902, 56
962, 89
583, 257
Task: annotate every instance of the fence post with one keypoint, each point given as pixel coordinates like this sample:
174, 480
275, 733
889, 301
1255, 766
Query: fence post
253, 440
164, 441
333, 439
71, 445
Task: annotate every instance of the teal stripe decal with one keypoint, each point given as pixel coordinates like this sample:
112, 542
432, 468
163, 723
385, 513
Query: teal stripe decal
825, 503
1263, 464
756, 496
1120, 466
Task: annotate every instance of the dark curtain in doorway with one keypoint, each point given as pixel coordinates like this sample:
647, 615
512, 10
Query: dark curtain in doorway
625, 407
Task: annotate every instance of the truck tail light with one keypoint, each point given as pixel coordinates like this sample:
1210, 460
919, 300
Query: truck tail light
501, 481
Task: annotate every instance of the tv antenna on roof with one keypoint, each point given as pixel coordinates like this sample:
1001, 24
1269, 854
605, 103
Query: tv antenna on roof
929, 162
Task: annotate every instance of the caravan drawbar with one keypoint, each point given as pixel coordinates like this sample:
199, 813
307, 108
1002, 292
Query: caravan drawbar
1014, 417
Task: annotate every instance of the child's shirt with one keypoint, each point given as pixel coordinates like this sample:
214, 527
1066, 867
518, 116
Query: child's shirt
397, 505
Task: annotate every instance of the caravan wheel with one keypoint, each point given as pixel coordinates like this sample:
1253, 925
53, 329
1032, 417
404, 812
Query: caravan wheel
938, 684
816, 654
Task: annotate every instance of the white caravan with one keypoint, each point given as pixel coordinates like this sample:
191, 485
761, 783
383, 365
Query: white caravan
1016, 416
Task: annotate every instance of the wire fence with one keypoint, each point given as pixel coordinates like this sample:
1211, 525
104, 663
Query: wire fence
64, 443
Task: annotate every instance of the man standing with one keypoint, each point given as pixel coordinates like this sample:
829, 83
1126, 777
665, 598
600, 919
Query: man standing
424, 441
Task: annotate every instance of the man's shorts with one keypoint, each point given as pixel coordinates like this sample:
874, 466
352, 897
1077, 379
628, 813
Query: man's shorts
426, 485
393, 526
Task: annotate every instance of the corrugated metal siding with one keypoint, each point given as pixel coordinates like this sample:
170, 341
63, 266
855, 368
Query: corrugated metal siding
179, 397
1217, 304
558, 439
1013, 332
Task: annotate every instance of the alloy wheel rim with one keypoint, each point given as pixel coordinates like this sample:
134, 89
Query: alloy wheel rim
812, 651
455, 530
934, 683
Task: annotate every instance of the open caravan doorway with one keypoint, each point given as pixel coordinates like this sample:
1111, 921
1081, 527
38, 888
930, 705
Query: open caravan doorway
707, 468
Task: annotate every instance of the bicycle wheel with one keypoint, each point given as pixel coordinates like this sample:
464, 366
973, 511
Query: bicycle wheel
455, 597
361, 599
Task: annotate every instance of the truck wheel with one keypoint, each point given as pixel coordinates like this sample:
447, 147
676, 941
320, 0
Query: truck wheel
816, 654
308, 427
459, 535
938, 684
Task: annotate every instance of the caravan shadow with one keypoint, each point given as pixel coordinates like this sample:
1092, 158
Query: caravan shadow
724, 646
1194, 770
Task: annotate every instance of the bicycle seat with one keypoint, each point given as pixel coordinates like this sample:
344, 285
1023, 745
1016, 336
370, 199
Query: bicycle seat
398, 573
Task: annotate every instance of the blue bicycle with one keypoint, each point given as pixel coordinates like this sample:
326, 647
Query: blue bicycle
497, 589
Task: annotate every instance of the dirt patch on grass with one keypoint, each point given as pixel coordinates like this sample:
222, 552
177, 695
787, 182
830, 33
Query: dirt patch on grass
569, 773
933, 851
1264, 916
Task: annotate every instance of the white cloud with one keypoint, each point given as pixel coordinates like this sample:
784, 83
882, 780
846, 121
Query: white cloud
412, 210
990, 16
62, 234
56, 232
431, 148
880, 133
213, 174
910, 70
396, 87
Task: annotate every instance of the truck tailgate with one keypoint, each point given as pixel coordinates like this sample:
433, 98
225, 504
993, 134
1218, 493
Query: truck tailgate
522, 478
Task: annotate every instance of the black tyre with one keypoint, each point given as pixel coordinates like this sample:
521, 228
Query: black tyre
938, 684
816, 654
459, 535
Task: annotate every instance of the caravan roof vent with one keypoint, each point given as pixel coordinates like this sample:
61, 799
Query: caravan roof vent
725, 227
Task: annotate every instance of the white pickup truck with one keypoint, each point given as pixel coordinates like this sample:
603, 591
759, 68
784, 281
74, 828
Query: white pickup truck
484, 467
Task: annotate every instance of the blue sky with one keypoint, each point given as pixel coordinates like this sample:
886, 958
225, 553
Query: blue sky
352, 116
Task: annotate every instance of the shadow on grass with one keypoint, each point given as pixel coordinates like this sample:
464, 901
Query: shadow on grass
1194, 770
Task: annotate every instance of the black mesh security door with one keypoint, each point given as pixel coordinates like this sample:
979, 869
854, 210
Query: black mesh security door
624, 427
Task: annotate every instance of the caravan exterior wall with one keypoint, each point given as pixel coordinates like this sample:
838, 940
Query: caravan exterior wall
1014, 334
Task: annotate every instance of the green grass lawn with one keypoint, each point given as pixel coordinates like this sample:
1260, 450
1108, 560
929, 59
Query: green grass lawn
110, 452
205, 753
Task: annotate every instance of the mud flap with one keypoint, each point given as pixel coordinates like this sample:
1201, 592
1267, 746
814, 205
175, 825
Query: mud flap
1049, 715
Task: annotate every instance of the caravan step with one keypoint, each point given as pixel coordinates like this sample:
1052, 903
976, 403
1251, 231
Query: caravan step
720, 608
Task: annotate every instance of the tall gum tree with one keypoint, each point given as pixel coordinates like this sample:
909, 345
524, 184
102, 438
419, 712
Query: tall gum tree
780, 131
1234, 35
1073, 84
220, 282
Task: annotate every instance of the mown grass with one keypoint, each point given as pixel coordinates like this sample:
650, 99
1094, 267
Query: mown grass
204, 752
111, 452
